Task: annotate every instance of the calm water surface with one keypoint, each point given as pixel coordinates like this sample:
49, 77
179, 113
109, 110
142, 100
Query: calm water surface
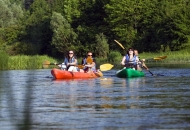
31, 99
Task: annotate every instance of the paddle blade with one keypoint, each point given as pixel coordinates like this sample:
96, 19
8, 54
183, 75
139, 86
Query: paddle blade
46, 64
89, 60
162, 57
158, 58
80, 66
120, 44
106, 67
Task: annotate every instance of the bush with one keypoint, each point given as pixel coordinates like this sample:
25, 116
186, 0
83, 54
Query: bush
114, 57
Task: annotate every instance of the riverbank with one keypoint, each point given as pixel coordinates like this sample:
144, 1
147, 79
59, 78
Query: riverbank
36, 62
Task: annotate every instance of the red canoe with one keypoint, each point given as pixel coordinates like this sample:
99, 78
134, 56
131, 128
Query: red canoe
63, 74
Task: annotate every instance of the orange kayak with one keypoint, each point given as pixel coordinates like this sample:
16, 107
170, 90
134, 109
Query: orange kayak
63, 74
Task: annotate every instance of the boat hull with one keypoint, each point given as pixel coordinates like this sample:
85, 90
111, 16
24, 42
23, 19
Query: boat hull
63, 74
129, 73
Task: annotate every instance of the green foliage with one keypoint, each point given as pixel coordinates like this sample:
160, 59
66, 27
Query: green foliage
114, 57
123, 19
54, 26
27, 62
37, 24
64, 38
101, 47
4, 59
67, 8
10, 13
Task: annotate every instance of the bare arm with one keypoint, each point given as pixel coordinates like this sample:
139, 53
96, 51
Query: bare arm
73, 63
123, 61
90, 65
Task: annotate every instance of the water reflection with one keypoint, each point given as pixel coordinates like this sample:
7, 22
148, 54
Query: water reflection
33, 100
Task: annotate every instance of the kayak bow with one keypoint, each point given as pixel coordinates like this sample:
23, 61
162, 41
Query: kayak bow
129, 73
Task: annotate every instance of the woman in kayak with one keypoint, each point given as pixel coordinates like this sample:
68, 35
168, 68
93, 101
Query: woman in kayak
130, 60
89, 63
70, 62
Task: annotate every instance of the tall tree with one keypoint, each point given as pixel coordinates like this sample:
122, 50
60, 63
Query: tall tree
123, 19
10, 13
64, 38
38, 32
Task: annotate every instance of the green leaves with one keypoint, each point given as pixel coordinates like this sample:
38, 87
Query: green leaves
63, 35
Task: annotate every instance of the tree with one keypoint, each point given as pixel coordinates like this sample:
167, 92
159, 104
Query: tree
101, 48
64, 38
10, 13
123, 17
37, 24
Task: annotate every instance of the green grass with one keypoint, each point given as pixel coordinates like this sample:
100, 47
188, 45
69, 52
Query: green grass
36, 62
172, 57
23, 62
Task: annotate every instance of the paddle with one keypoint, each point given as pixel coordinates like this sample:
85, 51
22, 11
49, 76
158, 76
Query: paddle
106, 67
144, 66
103, 67
157, 58
47, 63
120, 44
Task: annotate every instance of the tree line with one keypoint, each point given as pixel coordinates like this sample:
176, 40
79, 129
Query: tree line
52, 27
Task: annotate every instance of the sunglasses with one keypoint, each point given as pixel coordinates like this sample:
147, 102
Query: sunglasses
89, 55
70, 53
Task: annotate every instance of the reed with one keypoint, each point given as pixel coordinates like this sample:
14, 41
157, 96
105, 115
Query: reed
36, 61
23, 62
172, 57
4, 59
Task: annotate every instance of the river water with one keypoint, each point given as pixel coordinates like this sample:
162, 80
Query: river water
32, 99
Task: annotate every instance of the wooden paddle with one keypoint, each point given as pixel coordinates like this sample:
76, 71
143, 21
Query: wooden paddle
144, 66
157, 58
120, 44
47, 63
103, 67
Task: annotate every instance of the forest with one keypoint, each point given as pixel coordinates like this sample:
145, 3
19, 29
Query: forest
52, 27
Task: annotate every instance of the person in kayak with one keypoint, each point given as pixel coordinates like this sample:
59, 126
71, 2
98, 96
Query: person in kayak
89, 63
70, 62
130, 60
141, 63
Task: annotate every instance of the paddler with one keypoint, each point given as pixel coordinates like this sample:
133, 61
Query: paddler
89, 63
130, 60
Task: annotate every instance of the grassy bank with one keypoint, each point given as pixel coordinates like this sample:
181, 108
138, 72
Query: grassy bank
22, 62
35, 62
172, 57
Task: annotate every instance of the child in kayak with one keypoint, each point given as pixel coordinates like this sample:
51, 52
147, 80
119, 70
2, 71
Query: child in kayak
141, 62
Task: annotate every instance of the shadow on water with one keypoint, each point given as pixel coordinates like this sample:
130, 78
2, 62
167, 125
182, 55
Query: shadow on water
16, 99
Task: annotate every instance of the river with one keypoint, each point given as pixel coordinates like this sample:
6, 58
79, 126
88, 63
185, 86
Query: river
32, 99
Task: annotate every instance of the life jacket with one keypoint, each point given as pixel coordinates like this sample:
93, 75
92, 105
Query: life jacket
69, 61
131, 62
84, 62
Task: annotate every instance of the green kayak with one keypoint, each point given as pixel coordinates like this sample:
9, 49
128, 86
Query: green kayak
128, 73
